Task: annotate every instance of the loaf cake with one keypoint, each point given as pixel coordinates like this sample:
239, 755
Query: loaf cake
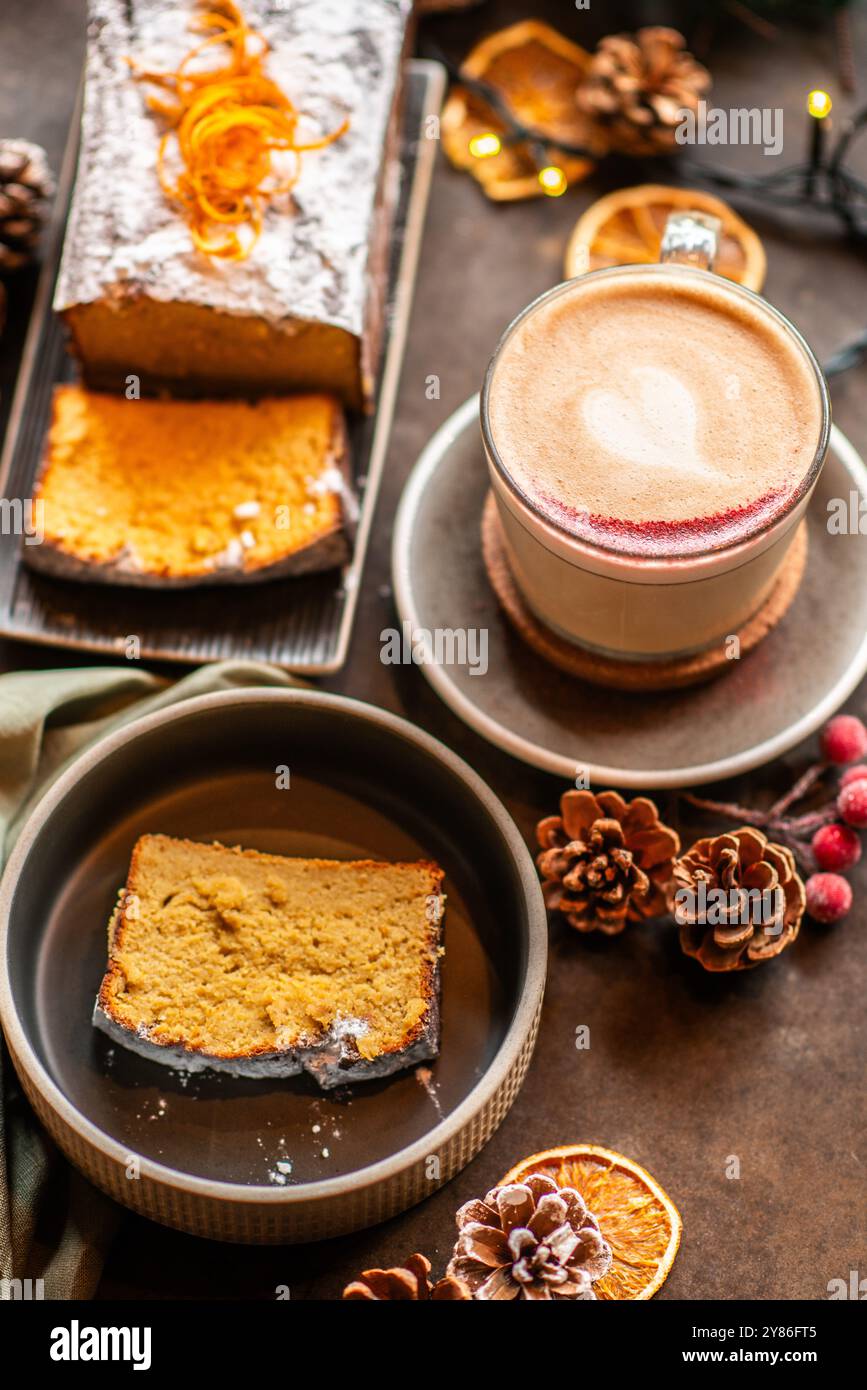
305, 309
167, 494
265, 966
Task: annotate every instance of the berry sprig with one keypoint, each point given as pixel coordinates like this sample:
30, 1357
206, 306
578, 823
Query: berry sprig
824, 841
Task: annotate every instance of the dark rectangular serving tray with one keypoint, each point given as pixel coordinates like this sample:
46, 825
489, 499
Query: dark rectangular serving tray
302, 624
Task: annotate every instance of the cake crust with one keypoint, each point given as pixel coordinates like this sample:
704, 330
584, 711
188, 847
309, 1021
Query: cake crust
330, 1054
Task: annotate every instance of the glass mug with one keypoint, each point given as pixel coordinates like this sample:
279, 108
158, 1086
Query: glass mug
648, 607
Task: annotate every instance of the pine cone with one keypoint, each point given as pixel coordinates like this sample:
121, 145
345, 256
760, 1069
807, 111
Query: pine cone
637, 87
530, 1240
407, 1281
605, 861
26, 187
736, 932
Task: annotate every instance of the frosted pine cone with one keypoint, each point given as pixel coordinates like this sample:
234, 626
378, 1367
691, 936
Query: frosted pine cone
531, 1240
26, 187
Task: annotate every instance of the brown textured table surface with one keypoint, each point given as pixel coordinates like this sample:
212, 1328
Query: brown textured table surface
684, 1070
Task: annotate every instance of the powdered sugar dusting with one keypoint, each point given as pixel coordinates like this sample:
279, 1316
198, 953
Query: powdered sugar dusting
124, 237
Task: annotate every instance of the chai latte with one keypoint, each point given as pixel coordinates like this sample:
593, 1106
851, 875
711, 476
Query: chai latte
655, 414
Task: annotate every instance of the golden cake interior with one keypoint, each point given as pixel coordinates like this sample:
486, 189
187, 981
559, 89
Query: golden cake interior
236, 953
177, 481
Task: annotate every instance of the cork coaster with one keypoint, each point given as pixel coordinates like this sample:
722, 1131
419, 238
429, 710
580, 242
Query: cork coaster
632, 675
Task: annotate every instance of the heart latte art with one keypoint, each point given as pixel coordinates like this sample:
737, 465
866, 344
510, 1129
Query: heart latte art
654, 411
650, 421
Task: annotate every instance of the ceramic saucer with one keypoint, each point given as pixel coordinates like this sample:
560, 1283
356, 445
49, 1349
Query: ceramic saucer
770, 699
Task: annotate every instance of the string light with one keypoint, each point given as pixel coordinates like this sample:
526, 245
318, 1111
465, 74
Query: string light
553, 180
823, 182
819, 104
484, 146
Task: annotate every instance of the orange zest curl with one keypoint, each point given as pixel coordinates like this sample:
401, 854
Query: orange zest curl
226, 123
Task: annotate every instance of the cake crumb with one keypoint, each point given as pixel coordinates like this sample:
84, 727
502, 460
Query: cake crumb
424, 1077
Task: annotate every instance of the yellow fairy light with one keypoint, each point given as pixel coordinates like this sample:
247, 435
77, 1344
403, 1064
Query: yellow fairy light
819, 104
553, 180
484, 146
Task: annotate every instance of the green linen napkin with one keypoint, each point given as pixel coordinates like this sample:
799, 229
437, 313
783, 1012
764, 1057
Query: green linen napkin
54, 1226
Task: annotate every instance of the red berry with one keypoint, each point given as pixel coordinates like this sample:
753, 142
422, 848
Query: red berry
836, 847
829, 897
853, 774
852, 804
844, 739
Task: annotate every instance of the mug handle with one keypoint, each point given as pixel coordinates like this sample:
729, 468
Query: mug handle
691, 238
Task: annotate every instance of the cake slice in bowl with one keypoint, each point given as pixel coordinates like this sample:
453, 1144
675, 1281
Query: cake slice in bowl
265, 966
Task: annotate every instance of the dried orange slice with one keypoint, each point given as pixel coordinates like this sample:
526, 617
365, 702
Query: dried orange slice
625, 228
536, 70
640, 1222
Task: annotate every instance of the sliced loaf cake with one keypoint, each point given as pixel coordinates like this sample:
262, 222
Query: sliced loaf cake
304, 311
265, 966
169, 494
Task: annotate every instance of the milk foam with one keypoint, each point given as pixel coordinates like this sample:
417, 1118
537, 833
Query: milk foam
650, 421
655, 409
